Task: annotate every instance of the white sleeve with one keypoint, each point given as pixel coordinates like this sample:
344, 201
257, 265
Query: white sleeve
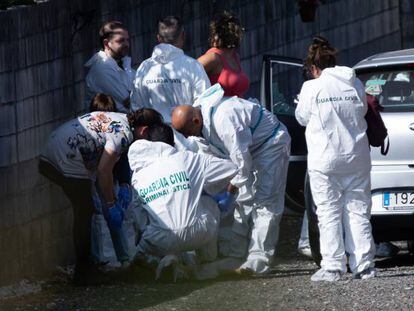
201, 81
138, 98
217, 174
303, 109
106, 80
359, 86
237, 140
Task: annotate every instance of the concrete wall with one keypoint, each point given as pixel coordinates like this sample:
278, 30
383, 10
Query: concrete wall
42, 52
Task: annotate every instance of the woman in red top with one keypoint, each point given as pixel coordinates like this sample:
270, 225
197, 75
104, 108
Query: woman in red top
221, 61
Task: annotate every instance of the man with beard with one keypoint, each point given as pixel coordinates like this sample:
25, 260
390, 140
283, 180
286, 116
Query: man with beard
110, 69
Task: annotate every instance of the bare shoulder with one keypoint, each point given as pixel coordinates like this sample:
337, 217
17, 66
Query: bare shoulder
211, 63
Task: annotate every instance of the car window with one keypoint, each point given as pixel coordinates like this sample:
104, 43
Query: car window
394, 88
286, 84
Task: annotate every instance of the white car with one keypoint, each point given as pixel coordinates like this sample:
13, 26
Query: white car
388, 76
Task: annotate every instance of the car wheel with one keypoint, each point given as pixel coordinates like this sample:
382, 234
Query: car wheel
313, 223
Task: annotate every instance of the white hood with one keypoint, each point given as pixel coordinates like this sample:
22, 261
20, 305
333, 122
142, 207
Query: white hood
207, 101
142, 153
164, 53
343, 73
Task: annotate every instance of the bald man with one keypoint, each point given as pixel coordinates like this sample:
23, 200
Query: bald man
259, 144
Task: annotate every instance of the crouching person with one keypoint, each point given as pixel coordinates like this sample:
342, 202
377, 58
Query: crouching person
174, 188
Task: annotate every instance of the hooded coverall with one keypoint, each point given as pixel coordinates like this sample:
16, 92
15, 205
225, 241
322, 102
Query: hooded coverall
259, 144
167, 79
332, 107
174, 188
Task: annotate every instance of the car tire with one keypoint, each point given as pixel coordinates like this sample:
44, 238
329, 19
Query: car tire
313, 223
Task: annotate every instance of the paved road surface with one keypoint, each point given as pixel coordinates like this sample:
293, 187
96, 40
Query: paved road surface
288, 288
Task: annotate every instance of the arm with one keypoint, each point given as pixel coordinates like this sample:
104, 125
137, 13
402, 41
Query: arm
211, 63
237, 140
217, 174
137, 94
107, 81
359, 86
304, 106
104, 175
201, 81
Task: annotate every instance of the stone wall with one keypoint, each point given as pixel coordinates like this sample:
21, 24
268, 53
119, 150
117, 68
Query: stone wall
42, 52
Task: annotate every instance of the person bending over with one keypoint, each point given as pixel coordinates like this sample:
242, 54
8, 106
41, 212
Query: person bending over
175, 188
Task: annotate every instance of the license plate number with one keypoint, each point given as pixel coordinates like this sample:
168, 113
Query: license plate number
398, 200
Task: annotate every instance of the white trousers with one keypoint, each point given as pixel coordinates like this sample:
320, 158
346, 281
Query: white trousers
201, 236
255, 230
343, 209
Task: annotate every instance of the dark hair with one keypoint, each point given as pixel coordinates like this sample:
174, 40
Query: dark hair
170, 29
306, 72
144, 117
108, 30
161, 132
321, 54
226, 31
102, 102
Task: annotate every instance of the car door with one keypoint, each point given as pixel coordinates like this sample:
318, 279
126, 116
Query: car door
281, 82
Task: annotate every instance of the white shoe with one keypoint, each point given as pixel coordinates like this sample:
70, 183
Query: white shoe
366, 274
305, 251
325, 275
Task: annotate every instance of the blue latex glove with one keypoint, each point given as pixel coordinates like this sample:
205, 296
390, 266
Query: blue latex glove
226, 202
115, 215
219, 196
124, 196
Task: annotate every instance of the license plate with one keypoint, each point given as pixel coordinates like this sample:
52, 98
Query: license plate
398, 201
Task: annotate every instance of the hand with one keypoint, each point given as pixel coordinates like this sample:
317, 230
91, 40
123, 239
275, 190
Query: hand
219, 196
226, 202
124, 196
115, 216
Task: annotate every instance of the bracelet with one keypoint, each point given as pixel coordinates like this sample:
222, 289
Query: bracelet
108, 204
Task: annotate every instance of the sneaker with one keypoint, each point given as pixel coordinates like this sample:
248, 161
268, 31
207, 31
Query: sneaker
366, 274
326, 275
305, 251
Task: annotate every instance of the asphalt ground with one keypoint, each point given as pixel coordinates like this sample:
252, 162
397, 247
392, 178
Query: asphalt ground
287, 288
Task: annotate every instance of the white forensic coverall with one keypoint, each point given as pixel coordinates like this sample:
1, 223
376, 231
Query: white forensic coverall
106, 77
332, 107
167, 79
259, 144
175, 188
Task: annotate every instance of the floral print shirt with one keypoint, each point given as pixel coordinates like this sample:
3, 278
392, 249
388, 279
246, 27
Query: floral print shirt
75, 148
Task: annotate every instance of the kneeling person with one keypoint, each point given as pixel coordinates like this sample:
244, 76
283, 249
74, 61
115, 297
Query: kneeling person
175, 188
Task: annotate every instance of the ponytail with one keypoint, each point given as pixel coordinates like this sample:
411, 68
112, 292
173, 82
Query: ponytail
321, 54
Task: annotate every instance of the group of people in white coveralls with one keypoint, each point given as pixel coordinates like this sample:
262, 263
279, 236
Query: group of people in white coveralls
205, 173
